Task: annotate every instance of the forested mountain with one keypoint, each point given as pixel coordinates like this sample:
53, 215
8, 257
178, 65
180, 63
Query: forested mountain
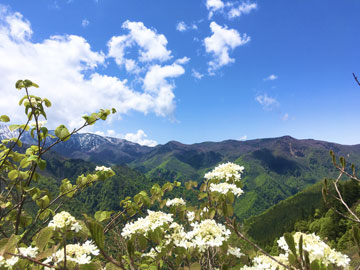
275, 168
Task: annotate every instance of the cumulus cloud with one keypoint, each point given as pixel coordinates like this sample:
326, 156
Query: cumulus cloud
229, 9
140, 138
243, 8
220, 43
151, 45
213, 6
65, 68
271, 77
267, 102
85, 23
156, 80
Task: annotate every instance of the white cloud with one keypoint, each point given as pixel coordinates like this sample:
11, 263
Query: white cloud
182, 27
285, 117
220, 43
196, 74
267, 102
18, 27
213, 6
151, 47
243, 138
156, 80
59, 64
140, 138
244, 8
229, 9
85, 23
271, 77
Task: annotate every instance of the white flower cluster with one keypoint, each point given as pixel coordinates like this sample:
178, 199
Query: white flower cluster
80, 254
8, 263
143, 225
31, 252
224, 188
178, 236
263, 262
226, 171
102, 168
176, 201
208, 233
318, 250
28, 252
203, 235
66, 221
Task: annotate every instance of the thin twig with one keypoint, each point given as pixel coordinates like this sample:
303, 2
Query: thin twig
228, 221
342, 200
356, 79
33, 260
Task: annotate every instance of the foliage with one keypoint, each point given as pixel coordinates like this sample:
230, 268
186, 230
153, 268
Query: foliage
36, 234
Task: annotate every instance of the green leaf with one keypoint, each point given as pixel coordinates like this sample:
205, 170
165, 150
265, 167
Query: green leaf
42, 164
47, 102
96, 231
290, 241
314, 265
28, 83
10, 246
43, 202
62, 133
43, 238
13, 174
4, 118
19, 84
113, 110
142, 242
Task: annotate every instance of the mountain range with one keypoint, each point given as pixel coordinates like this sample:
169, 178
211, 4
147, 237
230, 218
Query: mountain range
275, 168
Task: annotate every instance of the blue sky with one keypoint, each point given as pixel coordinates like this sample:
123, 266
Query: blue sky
189, 70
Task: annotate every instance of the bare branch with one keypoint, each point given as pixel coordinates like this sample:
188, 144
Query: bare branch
356, 79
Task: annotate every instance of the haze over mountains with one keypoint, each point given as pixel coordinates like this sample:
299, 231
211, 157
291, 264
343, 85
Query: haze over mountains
275, 168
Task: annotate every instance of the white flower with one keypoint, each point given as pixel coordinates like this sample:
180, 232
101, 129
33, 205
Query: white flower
224, 188
64, 220
176, 201
77, 253
102, 168
8, 263
178, 236
235, 251
229, 172
76, 227
152, 254
318, 250
29, 251
208, 233
143, 225
33, 101
190, 215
